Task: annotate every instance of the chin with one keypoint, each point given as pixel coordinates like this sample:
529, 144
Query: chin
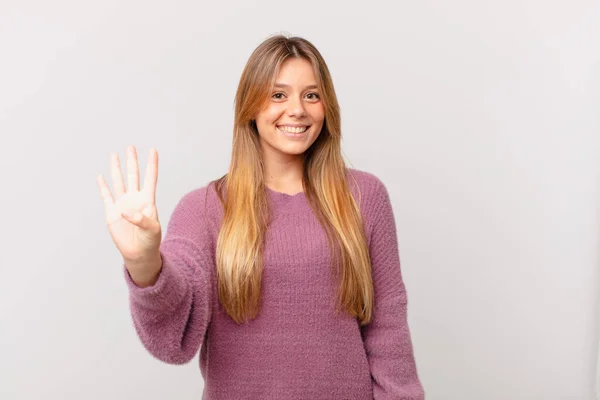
292, 150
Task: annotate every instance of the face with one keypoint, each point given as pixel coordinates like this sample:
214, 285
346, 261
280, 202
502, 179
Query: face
293, 117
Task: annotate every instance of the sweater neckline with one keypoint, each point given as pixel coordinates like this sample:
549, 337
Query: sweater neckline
275, 193
284, 203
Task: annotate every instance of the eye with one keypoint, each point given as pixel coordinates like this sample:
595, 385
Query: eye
315, 95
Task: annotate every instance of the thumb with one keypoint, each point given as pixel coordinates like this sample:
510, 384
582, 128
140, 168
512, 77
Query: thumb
139, 219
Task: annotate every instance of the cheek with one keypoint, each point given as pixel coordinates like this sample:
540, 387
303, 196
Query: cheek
318, 112
272, 114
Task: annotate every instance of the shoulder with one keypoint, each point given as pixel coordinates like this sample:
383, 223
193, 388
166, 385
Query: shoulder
364, 178
204, 197
367, 185
199, 203
371, 195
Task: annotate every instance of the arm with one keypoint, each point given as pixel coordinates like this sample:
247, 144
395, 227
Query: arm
171, 316
387, 338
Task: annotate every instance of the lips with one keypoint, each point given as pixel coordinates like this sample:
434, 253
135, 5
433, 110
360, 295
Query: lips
293, 134
293, 125
293, 130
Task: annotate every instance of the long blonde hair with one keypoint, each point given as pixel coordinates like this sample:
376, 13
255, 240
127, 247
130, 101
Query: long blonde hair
239, 252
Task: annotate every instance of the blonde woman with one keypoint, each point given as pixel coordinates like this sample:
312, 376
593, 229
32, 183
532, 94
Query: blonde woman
284, 272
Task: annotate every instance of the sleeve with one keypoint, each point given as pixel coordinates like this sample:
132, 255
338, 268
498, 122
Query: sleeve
387, 337
171, 316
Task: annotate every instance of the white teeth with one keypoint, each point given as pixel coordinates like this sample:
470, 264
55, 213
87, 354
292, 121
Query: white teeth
290, 129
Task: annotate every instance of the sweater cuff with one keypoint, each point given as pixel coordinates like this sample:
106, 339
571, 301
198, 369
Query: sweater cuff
166, 293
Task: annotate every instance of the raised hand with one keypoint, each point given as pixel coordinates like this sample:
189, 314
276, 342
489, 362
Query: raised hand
131, 215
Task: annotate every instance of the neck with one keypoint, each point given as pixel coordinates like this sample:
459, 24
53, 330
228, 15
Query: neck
284, 174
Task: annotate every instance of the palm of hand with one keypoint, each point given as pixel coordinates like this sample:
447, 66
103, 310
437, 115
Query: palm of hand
132, 219
132, 241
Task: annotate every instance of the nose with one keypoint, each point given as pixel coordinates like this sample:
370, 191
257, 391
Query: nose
296, 108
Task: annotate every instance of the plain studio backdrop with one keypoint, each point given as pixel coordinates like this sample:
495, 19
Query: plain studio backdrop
482, 118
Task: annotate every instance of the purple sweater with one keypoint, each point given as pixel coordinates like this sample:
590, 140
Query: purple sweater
297, 347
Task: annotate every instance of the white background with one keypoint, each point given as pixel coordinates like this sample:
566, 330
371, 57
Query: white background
482, 118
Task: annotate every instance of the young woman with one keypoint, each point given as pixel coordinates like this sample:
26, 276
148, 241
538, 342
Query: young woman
284, 272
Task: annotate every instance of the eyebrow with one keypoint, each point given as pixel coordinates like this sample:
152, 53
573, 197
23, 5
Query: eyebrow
287, 86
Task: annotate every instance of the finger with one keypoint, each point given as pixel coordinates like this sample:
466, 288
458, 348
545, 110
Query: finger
151, 177
116, 176
139, 220
133, 171
151, 212
104, 191
133, 218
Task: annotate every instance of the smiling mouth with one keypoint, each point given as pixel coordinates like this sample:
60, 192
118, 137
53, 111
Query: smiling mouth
293, 130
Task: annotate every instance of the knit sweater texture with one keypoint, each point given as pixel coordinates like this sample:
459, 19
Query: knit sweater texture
299, 346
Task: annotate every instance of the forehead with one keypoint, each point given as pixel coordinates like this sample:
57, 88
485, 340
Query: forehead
296, 72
